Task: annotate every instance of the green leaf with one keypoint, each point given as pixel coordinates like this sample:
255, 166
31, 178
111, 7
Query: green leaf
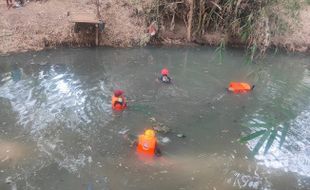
283, 134
270, 140
252, 136
220, 50
261, 142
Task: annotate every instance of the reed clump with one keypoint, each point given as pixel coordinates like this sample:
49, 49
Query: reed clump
252, 23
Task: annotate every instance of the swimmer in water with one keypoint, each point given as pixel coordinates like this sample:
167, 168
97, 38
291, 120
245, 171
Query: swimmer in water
147, 144
118, 101
164, 78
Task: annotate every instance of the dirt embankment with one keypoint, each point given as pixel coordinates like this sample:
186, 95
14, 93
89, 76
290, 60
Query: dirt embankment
39, 25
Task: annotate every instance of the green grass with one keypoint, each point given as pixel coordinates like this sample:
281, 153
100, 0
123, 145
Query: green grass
220, 51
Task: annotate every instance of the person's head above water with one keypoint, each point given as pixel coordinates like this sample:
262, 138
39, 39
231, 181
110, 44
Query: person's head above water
149, 133
165, 71
118, 93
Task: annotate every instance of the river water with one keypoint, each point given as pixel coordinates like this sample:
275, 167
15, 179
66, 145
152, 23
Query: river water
58, 131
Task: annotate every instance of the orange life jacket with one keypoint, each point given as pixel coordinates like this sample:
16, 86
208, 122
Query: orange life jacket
118, 106
146, 146
239, 87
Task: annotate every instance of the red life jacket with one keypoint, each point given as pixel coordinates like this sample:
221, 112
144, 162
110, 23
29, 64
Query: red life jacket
239, 87
116, 105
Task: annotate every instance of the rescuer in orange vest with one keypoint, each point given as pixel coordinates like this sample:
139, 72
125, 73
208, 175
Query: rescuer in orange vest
165, 76
147, 144
118, 101
240, 87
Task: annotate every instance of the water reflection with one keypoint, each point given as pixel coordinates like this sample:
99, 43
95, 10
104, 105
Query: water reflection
294, 156
284, 104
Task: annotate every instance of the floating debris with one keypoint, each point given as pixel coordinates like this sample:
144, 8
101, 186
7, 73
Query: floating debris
180, 135
159, 127
152, 119
8, 180
90, 160
123, 131
165, 140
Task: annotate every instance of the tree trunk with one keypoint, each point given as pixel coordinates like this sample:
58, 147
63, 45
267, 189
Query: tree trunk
190, 20
98, 9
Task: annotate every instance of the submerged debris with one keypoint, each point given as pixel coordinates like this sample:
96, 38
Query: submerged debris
159, 127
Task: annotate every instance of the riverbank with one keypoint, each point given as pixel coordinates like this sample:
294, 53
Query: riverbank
40, 25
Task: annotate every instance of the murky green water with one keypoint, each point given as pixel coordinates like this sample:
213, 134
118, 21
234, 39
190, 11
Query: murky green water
58, 130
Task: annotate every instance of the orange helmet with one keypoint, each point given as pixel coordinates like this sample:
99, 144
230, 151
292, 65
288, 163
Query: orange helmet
149, 133
165, 71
